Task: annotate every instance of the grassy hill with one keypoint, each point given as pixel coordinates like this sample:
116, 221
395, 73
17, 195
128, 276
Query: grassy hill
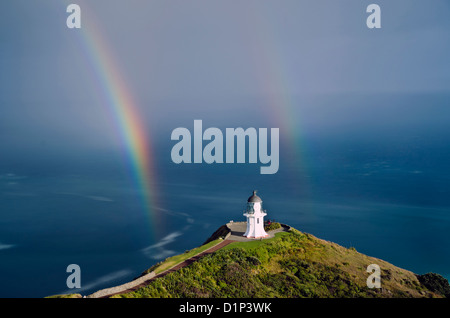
292, 264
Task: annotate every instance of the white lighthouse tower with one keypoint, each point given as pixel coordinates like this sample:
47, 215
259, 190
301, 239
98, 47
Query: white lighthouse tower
255, 217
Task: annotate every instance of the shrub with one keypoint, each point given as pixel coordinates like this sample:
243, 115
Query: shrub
435, 283
253, 260
272, 226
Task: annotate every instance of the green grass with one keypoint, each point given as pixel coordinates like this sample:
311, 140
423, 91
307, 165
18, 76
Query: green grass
65, 296
255, 243
292, 264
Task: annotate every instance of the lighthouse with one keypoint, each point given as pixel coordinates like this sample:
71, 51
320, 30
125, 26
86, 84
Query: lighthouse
255, 217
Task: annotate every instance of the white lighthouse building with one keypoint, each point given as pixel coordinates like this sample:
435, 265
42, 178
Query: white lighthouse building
255, 217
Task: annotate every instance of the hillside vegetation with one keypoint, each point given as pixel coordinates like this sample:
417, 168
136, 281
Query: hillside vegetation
293, 264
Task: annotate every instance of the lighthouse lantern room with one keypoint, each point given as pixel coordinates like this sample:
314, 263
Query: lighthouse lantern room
255, 217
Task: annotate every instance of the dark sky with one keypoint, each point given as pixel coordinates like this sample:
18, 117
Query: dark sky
223, 60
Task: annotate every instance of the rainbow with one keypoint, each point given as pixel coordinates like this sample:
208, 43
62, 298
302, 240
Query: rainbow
119, 101
269, 70
279, 102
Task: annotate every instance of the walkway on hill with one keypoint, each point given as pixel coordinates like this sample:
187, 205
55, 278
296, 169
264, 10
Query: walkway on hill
236, 235
144, 280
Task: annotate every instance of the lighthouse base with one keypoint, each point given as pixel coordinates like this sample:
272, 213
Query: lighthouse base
255, 224
254, 231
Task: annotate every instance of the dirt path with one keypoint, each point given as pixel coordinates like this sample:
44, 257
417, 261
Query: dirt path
195, 258
145, 280
237, 230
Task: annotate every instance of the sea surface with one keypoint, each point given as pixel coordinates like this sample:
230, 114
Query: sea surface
383, 189
98, 221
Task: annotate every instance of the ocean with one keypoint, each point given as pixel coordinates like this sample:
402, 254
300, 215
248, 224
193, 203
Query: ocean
382, 189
